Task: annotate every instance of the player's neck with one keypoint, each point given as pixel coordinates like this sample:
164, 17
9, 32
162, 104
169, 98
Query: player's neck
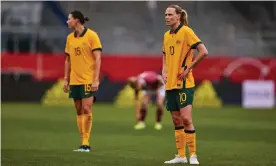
79, 29
175, 26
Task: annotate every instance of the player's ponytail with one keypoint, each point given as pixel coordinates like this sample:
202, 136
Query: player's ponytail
184, 17
78, 15
86, 19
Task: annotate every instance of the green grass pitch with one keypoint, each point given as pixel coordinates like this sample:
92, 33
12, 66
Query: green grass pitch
33, 135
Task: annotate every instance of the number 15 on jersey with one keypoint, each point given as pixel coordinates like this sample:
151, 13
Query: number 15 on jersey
77, 51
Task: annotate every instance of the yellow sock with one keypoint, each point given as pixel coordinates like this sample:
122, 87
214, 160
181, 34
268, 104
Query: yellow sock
87, 125
180, 141
191, 141
79, 122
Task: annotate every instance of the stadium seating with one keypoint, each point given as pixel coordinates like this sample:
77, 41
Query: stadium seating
129, 28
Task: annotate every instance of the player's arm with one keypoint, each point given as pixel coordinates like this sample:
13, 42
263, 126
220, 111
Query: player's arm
164, 64
202, 53
195, 43
132, 83
96, 52
67, 68
67, 61
137, 103
97, 57
140, 82
164, 70
160, 81
67, 74
136, 94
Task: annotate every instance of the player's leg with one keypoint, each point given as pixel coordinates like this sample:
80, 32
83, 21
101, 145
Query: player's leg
77, 104
87, 121
180, 138
88, 98
145, 101
137, 105
185, 103
74, 93
143, 111
160, 98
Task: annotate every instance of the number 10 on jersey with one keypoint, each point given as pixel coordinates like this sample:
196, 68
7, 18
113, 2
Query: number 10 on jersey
172, 50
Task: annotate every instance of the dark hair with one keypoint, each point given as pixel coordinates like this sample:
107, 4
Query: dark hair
78, 15
182, 12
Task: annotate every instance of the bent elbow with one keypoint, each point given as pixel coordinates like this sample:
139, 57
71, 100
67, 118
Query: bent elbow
205, 53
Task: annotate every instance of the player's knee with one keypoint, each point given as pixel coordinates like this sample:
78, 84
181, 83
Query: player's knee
186, 120
177, 121
160, 104
143, 106
86, 108
145, 101
79, 110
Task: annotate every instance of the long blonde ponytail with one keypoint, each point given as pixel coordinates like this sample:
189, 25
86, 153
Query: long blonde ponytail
184, 18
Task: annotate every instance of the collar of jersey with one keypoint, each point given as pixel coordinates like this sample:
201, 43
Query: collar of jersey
176, 30
82, 34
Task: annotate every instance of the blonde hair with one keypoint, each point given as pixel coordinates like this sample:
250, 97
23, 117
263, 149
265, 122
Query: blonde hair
183, 14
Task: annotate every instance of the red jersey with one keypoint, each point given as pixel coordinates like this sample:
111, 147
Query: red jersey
150, 80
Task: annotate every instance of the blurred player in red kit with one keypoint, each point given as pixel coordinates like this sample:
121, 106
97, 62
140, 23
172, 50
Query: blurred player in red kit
149, 83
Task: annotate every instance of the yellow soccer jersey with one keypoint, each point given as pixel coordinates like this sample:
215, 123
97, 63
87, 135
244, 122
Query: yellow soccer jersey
178, 49
80, 51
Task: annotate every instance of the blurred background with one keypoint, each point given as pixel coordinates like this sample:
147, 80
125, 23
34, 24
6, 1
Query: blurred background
240, 37
240, 70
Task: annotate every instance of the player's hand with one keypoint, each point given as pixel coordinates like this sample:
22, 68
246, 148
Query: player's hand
95, 86
164, 76
183, 75
66, 86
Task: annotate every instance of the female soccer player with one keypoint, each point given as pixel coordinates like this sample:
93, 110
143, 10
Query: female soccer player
178, 48
82, 68
150, 83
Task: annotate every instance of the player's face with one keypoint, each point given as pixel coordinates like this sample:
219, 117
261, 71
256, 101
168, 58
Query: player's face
171, 16
71, 21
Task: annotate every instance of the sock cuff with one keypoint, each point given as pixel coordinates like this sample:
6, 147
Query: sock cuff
179, 127
189, 131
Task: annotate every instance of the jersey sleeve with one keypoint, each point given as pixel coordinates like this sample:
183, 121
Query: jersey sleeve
67, 49
192, 40
95, 42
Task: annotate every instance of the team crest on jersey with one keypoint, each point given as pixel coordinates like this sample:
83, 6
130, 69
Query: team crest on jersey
178, 41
